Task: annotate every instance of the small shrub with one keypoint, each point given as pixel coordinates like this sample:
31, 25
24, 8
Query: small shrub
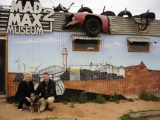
154, 97
37, 119
82, 99
127, 117
117, 101
73, 99
148, 96
100, 99
66, 99
51, 118
114, 98
144, 96
65, 102
12, 101
130, 100
72, 106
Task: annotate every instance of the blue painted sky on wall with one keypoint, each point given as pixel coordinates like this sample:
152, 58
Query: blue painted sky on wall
46, 49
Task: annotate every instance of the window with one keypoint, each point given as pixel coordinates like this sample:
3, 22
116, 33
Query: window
85, 43
139, 44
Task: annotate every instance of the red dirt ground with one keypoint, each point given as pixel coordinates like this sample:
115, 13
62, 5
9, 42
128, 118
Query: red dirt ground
87, 111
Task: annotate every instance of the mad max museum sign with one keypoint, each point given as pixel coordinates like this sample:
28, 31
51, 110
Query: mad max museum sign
27, 19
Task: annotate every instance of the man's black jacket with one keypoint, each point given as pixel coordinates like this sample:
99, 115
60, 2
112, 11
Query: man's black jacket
51, 89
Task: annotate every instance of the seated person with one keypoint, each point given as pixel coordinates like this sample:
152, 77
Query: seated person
47, 91
25, 88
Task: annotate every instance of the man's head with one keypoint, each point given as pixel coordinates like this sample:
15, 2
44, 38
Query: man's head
46, 77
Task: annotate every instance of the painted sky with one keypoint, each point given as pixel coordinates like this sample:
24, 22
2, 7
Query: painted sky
136, 7
46, 50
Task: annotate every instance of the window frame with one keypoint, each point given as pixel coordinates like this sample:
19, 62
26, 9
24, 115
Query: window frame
129, 47
83, 49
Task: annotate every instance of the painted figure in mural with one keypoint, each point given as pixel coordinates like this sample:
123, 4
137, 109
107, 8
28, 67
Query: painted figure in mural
47, 91
25, 88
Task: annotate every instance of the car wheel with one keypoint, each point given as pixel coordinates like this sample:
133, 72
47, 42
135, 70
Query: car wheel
85, 9
92, 27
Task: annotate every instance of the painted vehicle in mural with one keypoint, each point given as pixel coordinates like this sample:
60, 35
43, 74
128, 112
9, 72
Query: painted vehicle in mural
54, 72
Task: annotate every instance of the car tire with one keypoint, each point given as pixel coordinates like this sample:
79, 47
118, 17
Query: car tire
92, 27
124, 13
150, 15
85, 9
108, 13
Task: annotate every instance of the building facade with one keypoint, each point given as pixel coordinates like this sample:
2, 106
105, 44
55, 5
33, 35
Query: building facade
125, 60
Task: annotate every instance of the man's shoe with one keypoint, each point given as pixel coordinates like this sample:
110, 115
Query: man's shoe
51, 108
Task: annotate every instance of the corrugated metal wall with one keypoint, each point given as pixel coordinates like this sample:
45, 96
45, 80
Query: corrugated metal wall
46, 50
122, 25
4, 16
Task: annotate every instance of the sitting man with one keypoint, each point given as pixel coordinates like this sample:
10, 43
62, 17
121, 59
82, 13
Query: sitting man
47, 92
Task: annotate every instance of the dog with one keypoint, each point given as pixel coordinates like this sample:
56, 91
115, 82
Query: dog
34, 103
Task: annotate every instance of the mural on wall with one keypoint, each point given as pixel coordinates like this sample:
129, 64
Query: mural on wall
52, 53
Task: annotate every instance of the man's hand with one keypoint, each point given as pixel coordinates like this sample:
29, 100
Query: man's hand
40, 100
